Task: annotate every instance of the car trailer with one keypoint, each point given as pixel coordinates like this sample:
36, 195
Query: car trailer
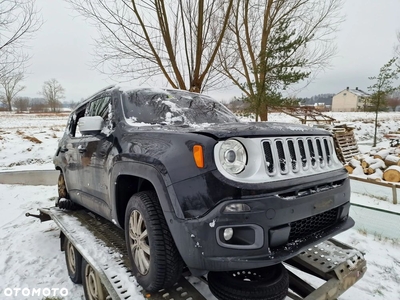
102, 247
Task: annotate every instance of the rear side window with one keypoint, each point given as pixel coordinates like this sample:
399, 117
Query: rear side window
99, 107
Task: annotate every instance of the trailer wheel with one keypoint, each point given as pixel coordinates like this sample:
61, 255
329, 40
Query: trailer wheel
269, 283
154, 258
62, 187
73, 260
92, 286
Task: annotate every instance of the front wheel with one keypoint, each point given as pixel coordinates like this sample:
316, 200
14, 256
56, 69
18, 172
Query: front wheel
154, 258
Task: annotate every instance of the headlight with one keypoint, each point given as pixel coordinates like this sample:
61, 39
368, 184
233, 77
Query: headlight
232, 156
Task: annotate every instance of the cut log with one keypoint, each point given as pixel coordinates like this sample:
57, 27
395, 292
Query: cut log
379, 163
354, 163
392, 160
364, 164
349, 169
392, 174
370, 160
381, 154
377, 176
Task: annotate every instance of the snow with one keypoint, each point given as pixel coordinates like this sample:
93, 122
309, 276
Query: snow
30, 253
396, 168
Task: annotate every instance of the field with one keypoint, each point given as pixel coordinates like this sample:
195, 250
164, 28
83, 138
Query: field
30, 256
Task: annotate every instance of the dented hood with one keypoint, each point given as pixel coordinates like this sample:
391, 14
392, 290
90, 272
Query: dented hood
259, 129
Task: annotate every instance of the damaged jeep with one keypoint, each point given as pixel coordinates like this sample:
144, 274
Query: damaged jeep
195, 188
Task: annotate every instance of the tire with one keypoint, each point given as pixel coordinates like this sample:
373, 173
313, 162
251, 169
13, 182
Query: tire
269, 283
154, 258
73, 259
62, 187
92, 285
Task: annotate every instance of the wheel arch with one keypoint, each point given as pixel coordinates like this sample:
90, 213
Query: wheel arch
128, 178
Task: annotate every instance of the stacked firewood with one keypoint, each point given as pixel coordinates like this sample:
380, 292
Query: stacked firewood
378, 165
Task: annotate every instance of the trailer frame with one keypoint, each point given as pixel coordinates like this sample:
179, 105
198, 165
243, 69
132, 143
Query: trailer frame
338, 264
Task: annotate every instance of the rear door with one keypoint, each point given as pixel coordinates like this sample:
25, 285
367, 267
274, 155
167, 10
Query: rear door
93, 151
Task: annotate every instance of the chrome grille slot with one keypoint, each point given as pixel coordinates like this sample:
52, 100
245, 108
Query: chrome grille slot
320, 153
268, 156
281, 156
327, 151
290, 155
302, 154
311, 152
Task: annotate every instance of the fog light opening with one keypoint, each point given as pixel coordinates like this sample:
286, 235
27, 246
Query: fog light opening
228, 233
236, 207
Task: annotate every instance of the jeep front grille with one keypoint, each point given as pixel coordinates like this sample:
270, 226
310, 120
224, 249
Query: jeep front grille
305, 227
294, 154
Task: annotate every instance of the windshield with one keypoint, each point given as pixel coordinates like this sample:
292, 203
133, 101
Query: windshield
177, 107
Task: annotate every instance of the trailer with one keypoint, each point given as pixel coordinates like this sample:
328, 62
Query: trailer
102, 248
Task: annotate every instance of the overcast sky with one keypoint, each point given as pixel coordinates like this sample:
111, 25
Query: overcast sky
62, 49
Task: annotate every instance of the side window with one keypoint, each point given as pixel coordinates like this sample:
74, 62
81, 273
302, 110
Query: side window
74, 131
99, 107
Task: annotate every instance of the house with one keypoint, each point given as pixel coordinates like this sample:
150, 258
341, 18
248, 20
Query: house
350, 100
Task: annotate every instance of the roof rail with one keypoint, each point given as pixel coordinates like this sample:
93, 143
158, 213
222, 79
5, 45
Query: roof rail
102, 90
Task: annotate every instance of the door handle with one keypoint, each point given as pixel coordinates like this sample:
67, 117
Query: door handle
81, 149
63, 149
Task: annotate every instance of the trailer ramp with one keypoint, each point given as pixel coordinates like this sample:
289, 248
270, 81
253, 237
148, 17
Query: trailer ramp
102, 245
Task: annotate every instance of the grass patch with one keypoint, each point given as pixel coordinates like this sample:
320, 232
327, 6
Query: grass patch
53, 298
19, 132
362, 231
32, 139
383, 198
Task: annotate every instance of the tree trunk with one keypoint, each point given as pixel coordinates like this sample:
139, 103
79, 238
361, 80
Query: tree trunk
376, 121
264, 113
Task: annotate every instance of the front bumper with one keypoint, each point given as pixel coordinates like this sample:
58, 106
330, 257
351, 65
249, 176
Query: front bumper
275, 230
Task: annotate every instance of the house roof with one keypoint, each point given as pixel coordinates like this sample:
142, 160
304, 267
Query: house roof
356, 92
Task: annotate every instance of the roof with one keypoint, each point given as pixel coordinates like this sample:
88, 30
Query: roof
356, 92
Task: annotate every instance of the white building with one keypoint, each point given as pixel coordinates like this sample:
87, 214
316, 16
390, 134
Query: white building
350, 100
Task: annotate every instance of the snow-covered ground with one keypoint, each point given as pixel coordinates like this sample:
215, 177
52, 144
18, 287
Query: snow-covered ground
29, 250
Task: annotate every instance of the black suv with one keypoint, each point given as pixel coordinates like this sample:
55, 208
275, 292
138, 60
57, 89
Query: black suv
192, 185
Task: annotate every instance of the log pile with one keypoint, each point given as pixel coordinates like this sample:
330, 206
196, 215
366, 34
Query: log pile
381, 165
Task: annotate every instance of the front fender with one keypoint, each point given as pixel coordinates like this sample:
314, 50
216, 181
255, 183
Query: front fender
161, 183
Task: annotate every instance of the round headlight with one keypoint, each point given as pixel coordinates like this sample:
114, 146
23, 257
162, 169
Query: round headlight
232, 156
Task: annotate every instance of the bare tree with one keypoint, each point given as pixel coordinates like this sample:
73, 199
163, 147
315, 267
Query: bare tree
250, 58
10, 85
384, 85
19, 19
21, 104
176, 39
53, 92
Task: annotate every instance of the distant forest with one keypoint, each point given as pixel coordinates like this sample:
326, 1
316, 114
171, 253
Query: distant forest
321, 98
239, 105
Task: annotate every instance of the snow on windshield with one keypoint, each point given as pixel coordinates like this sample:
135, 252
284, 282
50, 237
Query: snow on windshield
173, 107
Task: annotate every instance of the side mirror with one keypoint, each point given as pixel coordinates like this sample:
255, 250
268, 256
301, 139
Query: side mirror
90, 125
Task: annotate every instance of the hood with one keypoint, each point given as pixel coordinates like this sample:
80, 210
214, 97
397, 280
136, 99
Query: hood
259, 129
235, 129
